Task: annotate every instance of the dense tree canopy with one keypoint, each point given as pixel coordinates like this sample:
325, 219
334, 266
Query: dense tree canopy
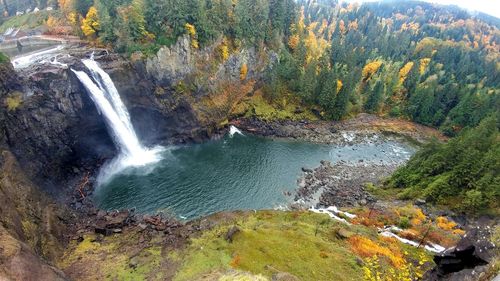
465, 172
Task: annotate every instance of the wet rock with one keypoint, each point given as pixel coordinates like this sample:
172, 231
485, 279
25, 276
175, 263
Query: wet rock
230, 233
117, 220
103, 231
101, 214
306, 170
339, 184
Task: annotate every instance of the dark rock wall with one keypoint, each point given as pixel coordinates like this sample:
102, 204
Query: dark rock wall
56, 130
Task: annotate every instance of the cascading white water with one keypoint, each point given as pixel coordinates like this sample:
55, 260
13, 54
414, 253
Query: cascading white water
103, 92
233, 130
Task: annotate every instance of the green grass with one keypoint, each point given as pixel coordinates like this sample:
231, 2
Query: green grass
301, 244
27, 21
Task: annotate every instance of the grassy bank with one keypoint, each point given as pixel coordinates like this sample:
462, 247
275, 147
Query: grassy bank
302, 244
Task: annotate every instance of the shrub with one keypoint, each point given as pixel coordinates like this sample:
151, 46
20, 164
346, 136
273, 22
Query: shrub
366, 248
474, 200
443, 223
4, 58
13, 101
404, 223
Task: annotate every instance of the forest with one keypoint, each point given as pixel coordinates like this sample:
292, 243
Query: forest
435, 65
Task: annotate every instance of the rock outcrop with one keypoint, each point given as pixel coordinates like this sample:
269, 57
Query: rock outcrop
469, 259
170, 65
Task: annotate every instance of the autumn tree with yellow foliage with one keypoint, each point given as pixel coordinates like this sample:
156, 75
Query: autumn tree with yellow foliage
191, 30
90, 24
370, 68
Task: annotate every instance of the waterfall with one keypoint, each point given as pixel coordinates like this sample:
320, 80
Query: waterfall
103, 92
233, 130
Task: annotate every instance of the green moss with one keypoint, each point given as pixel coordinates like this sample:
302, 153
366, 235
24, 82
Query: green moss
14, 101
298, 243
114, 258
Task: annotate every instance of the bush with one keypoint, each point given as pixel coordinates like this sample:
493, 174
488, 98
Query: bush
13, 101
404, 223
4, 58
474, 200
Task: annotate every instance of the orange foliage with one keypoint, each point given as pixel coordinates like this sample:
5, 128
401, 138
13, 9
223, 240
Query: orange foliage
66, 5
293, 42
458, 231
366, 248
227, 97
410, 234
443, 223
369, 218
235, 262
243, 72
57, 26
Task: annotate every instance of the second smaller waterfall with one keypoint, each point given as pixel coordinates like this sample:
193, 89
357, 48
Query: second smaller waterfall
107, 99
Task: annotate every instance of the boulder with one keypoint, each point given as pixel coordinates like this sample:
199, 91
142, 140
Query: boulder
230, 233
284, 276
343, 233
469, 256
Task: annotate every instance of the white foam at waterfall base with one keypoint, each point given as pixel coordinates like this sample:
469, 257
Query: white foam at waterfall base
108, 102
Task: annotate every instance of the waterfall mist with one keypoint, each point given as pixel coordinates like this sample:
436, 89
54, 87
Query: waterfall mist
104, 94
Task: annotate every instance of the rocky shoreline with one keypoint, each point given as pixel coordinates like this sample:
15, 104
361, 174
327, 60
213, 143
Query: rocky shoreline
339, 184
350, 131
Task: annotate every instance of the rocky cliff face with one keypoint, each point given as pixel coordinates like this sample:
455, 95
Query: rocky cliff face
31, 225
55, 129
213, 85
